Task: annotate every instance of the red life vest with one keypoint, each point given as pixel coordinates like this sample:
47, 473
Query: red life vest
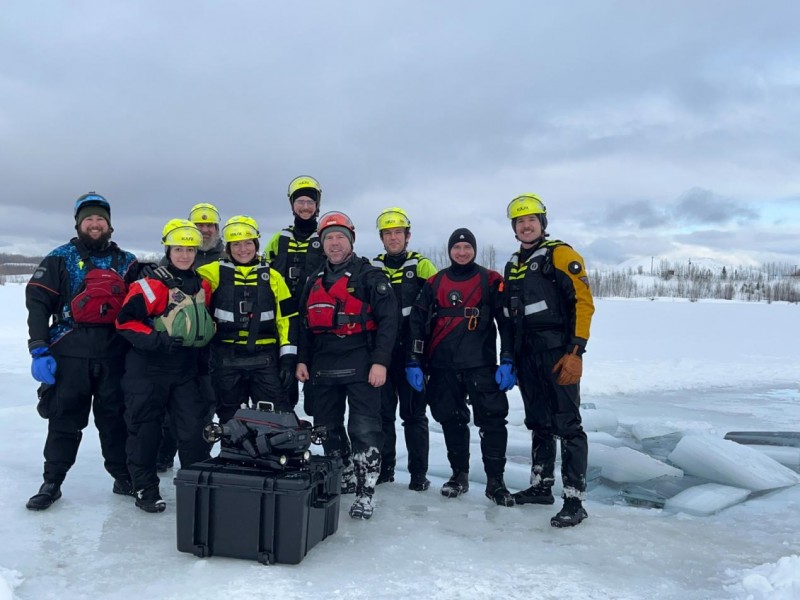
100, 298
337, 310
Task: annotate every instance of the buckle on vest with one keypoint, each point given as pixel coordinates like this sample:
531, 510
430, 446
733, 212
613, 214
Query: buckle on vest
347, 320
472, 313
245, 307
294, 273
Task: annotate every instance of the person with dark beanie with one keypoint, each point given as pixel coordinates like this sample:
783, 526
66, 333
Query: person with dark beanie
453, 338
73, 298
296, 252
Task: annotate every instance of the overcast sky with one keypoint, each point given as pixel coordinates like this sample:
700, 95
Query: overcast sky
667, 129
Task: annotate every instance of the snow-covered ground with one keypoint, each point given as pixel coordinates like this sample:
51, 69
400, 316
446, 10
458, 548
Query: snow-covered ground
708, 367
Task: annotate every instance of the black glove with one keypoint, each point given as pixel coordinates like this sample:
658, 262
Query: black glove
288, 364
168, 343
153, 271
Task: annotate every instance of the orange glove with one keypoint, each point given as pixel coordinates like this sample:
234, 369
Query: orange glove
569, 368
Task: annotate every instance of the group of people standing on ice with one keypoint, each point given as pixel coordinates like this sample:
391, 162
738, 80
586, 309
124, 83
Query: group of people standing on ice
154, 350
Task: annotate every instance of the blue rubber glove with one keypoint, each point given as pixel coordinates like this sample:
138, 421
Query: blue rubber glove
505, 376
414, 376
44, 365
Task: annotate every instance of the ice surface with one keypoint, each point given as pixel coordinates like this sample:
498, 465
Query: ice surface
654, 428
772, 581
786, 455
729, 463
706, 499
601, 437
95, 544
623, 465
654, 493
599, 419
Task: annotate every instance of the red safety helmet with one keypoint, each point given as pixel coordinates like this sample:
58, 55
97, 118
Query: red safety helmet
335, 218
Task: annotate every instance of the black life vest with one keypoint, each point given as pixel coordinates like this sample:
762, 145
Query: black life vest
532, 296
296, 259
404, 280
244, 305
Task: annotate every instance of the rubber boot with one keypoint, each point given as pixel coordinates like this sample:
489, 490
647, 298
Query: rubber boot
571, 514
44, 498
497, 492
149, 500
457, 484
419, 483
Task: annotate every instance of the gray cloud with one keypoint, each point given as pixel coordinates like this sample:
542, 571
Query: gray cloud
701, 206
449, 109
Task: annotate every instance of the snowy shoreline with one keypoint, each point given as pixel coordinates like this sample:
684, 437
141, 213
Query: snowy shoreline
706, 366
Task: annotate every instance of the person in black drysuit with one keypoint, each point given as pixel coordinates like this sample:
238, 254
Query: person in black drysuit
349, 322
161, 374
296, 253
206, 218
453, 337
550, 302
407, 271
79, 358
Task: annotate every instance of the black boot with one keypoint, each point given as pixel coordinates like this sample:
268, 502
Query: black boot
164, 464
419, 483
386, 475
497, 492
536, 494
48, 493
149, 500
571, 514
457, 484
123, 487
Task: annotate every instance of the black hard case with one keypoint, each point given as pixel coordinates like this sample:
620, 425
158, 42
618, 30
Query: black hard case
239, 511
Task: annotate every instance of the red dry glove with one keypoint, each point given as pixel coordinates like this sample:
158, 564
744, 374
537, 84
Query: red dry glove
571, 368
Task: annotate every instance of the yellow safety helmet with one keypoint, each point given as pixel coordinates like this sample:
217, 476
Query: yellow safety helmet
204, 213
527, 204
240, 228
181, 232
391, 218
305, 186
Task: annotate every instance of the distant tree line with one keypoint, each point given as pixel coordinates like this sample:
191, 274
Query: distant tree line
771, 282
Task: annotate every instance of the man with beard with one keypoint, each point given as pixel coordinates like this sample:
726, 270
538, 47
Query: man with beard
79, 358
296, 252
205, 217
